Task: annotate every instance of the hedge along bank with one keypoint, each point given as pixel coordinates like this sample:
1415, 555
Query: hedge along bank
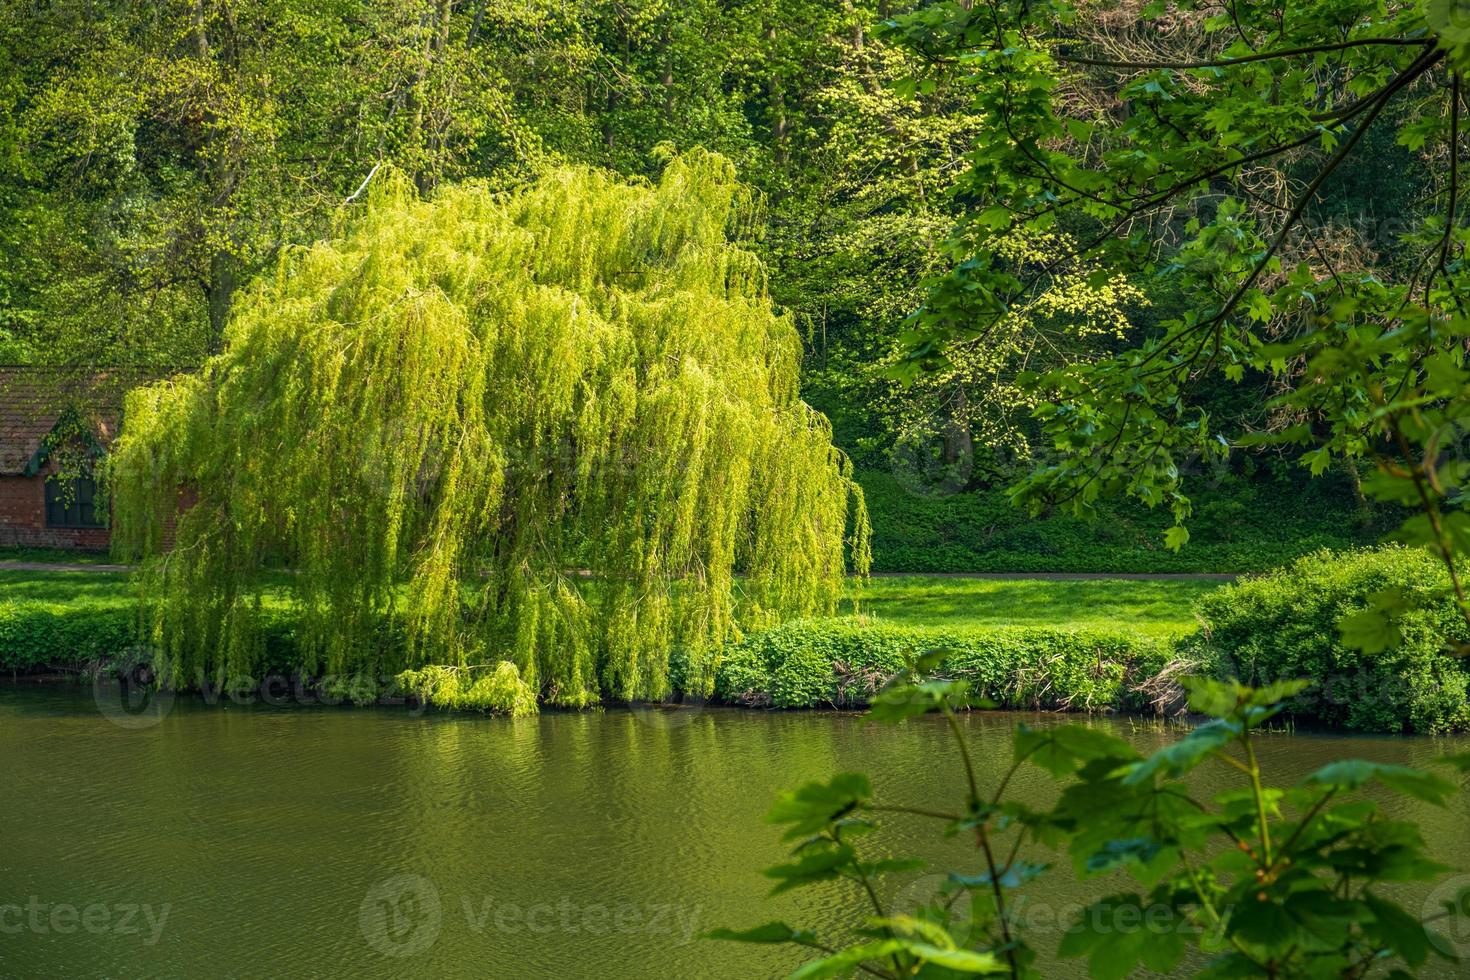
1283, 624
1291, 623
844, 662
813, 663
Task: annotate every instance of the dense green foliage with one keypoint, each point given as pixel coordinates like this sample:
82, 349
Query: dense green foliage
1215, 159
1294, 623
65, 622
845, 662
498, 688
1243, 525
1260, 880
443, 418
158, 156
159, 165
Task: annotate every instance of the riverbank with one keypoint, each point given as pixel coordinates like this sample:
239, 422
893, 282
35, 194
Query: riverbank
1082, 644
1032, 644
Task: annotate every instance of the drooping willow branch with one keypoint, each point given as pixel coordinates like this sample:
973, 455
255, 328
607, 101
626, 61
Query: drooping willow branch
437, 418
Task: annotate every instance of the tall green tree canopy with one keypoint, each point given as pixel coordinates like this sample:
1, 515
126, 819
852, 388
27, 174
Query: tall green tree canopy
1210, 148
449, 415
159, 156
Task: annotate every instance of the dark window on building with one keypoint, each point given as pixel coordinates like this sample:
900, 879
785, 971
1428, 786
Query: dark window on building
69, 503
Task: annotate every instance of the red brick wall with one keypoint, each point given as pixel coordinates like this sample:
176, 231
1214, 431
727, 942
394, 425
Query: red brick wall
23, 519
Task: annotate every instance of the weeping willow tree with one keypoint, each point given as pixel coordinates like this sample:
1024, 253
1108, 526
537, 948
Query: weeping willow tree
559, 428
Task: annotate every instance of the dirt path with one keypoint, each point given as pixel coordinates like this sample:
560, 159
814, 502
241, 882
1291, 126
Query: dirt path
1074, 576
49, 566
45, 566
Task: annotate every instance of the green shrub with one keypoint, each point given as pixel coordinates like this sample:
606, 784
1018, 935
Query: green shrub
811, 662
77, 620
1284, 625
843, 662
36, 634
1051, 669
742, 677
495, 687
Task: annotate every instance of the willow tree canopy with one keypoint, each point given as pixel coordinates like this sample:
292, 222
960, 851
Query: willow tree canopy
558, 427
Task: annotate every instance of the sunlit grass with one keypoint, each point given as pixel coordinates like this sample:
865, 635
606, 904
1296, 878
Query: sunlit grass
1158, 608
105, 588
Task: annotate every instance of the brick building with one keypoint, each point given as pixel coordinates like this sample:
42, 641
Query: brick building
47, 417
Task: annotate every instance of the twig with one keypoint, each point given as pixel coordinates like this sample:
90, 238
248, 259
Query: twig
365, 181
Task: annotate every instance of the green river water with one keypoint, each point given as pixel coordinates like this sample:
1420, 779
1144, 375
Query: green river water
260, 841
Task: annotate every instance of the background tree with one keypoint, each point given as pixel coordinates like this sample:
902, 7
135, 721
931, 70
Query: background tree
1367, 360
159, 158
165, 153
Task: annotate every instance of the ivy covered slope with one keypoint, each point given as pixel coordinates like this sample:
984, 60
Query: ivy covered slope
449, 416
1242, 524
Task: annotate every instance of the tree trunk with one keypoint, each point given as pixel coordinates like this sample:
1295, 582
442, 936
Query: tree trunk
219, 165
219, 294
1363, 507
959, 443
426, 132
778, 109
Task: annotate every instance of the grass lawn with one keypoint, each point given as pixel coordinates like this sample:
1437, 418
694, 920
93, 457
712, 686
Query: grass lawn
64, 591
1158, 608
94, 589
60, 556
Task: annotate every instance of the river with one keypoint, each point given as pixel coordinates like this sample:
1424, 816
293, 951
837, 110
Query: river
256, 840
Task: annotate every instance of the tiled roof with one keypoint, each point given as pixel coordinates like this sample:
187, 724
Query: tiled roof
33, 399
